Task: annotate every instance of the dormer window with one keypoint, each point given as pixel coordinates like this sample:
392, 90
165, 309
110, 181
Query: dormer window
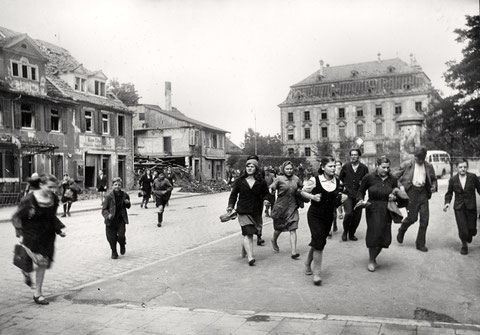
24, 70
354, 73
99, 88
80, 84
391, 69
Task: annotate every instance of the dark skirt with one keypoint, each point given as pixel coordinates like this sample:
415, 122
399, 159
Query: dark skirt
320, 222
379, 225
249, 224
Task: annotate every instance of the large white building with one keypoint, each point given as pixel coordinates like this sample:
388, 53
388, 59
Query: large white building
381, 102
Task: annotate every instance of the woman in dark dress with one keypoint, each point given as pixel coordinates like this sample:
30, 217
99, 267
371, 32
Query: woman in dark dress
325, 193
36, 222
380, 186
250, 189
146, 186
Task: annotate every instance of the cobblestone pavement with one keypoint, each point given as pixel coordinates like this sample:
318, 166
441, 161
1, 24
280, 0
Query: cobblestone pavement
84, 255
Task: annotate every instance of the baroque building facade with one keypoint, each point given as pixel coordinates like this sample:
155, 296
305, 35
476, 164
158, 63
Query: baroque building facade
377, 105
57, 117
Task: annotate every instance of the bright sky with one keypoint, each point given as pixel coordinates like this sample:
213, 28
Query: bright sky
229, 61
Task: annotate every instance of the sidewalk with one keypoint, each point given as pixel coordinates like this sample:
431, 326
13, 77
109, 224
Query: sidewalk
64, 317
94, 204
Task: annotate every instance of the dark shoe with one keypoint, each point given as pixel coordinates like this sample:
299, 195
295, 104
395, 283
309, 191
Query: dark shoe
114, 255
64, 215
40, 300
353, 238
344, 237
400, 236
464, 250
470, 239
146, 207
295, 256
317, 280
68, 213
251, 262
122, 249
260, 241
422, 248
159, 224
141, 205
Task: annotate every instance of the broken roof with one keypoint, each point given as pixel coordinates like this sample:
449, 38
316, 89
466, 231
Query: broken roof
59, 60
175, 113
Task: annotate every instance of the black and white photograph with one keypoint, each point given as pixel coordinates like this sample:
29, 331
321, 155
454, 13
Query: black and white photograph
257, 167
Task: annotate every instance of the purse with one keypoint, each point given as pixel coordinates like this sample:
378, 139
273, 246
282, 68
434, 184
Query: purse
21, 259
68, 193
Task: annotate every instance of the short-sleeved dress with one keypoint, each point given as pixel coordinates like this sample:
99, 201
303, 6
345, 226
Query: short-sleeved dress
320, 214
284, 212
379, 219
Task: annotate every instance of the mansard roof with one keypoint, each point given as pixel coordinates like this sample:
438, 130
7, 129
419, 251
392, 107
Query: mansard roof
356, 81
176, 114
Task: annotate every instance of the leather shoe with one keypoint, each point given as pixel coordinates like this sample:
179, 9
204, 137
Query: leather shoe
400, 236
464, 250
251, 262
317, 280
260, 241
353, 238
40, 300
422, 248
295, 256
344, 237
114, 255
122, 249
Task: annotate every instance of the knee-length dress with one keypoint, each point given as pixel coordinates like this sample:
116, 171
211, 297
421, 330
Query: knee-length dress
285, 210
379, 219
320, 214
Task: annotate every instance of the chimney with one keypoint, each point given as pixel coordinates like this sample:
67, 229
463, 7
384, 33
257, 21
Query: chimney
168, 96
321, 67
378, 57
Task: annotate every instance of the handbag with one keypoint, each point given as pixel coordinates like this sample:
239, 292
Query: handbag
68, 193
21, 259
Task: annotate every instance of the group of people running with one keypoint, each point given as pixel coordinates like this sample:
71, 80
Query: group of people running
411, 186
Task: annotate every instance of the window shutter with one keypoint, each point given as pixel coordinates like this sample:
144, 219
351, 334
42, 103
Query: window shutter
65, 114
112, 118
37, 110
192, 137
98, 122
81, 121
48, 119
7, 113
17, 116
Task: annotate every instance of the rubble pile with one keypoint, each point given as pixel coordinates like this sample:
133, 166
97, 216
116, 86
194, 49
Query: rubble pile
209, 186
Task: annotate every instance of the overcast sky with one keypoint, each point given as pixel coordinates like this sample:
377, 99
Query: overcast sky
230, 60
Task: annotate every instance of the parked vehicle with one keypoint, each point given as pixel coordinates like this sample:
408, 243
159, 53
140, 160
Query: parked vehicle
440, 161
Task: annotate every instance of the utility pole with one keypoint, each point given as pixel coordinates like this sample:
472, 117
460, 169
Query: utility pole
255, 123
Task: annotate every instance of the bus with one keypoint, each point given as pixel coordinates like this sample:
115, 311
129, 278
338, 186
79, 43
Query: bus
440, 161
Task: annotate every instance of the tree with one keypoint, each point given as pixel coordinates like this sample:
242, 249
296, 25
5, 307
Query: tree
323, 148
266, 145
125, 92
454, 123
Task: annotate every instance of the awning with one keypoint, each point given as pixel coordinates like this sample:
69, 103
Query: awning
29, 146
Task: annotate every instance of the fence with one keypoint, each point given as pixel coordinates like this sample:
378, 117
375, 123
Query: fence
11, 193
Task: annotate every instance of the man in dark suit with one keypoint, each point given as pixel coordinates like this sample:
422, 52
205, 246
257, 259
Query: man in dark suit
351, 176
114, 210
417, 178
464, 184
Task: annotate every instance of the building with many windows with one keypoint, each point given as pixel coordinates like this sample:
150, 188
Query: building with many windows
379, 104
174, 137
57, 117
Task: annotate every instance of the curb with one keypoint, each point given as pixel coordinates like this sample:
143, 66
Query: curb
136, 202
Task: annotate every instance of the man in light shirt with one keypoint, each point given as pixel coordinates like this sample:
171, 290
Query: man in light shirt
417, 178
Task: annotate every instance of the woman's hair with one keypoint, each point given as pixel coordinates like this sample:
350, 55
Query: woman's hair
284, 165
338, 161
382, 159
257, 175
325, 160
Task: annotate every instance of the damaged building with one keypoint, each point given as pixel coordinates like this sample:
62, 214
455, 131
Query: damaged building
170, 135
57, 117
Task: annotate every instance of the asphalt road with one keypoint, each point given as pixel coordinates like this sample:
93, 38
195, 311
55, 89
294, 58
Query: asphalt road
194, 261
